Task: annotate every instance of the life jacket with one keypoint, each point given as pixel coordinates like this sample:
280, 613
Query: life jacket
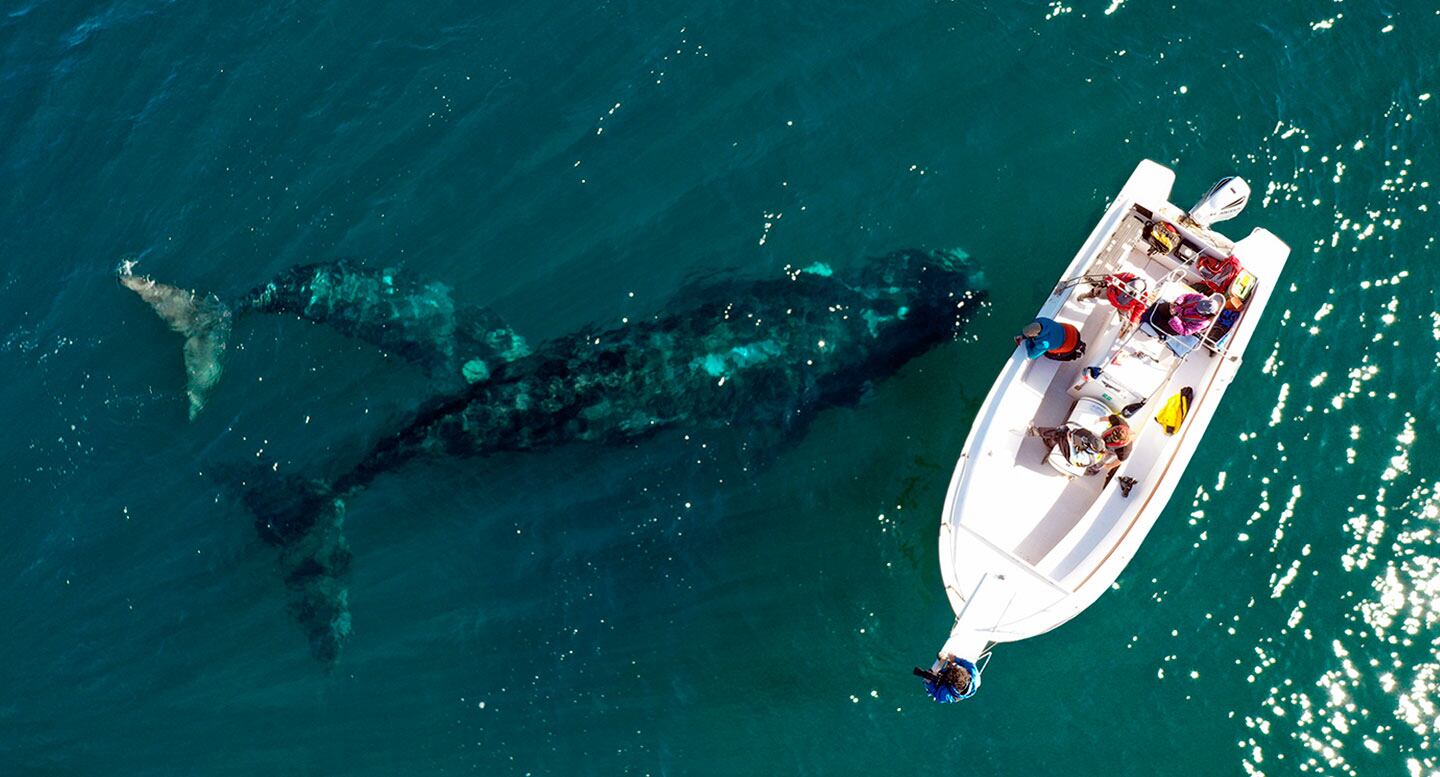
1119, 290
1217, 274
1172, 415
1072, 339
1162, 236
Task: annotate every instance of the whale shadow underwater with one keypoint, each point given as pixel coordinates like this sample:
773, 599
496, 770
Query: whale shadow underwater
731, 352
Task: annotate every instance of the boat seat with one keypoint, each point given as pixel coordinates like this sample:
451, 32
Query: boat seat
1088, 413
1180, 345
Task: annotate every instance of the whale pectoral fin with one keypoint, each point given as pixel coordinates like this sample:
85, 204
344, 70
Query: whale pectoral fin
314, 568
304, 521
203, 320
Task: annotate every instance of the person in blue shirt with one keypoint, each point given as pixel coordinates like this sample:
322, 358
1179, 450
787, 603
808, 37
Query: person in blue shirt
1051, 339
956, 679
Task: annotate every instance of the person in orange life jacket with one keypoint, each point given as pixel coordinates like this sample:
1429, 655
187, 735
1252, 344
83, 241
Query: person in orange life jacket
1051, 339
1188, 314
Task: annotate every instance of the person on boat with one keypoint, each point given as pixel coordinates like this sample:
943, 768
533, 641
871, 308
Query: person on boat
956, 679
1119, 440
1051, 339
1109, 448
1188, 314
1126, 293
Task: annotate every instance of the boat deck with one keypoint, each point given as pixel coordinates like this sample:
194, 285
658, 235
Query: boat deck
1043, 505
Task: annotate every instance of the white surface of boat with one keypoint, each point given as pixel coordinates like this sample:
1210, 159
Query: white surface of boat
1028, 542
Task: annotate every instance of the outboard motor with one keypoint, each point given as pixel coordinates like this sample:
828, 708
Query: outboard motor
1223, 202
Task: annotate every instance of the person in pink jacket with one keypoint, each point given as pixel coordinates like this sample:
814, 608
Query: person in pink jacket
1188, 314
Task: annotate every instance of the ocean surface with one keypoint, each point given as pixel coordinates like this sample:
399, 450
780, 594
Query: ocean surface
706, 603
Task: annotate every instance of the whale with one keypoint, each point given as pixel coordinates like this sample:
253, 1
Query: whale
730, 352
387, 307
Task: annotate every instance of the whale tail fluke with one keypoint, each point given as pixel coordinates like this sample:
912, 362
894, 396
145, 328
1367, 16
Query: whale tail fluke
386, 307
304, 520
204, 322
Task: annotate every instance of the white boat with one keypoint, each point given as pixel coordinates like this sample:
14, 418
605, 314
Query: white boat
1028, 540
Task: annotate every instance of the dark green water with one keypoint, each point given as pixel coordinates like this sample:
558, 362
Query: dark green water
716, 604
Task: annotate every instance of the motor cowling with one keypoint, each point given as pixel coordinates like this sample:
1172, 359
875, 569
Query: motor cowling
1222, 202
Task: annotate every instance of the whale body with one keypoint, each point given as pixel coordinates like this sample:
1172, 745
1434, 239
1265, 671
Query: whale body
737, 353
741, 353
762, 353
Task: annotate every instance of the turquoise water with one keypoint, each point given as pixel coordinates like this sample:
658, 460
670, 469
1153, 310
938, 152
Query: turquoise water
710, 604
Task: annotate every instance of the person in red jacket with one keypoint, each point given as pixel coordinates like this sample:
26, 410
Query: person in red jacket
1126, 293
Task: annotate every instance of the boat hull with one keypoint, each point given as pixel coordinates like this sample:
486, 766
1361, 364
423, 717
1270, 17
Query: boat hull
1025, 548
